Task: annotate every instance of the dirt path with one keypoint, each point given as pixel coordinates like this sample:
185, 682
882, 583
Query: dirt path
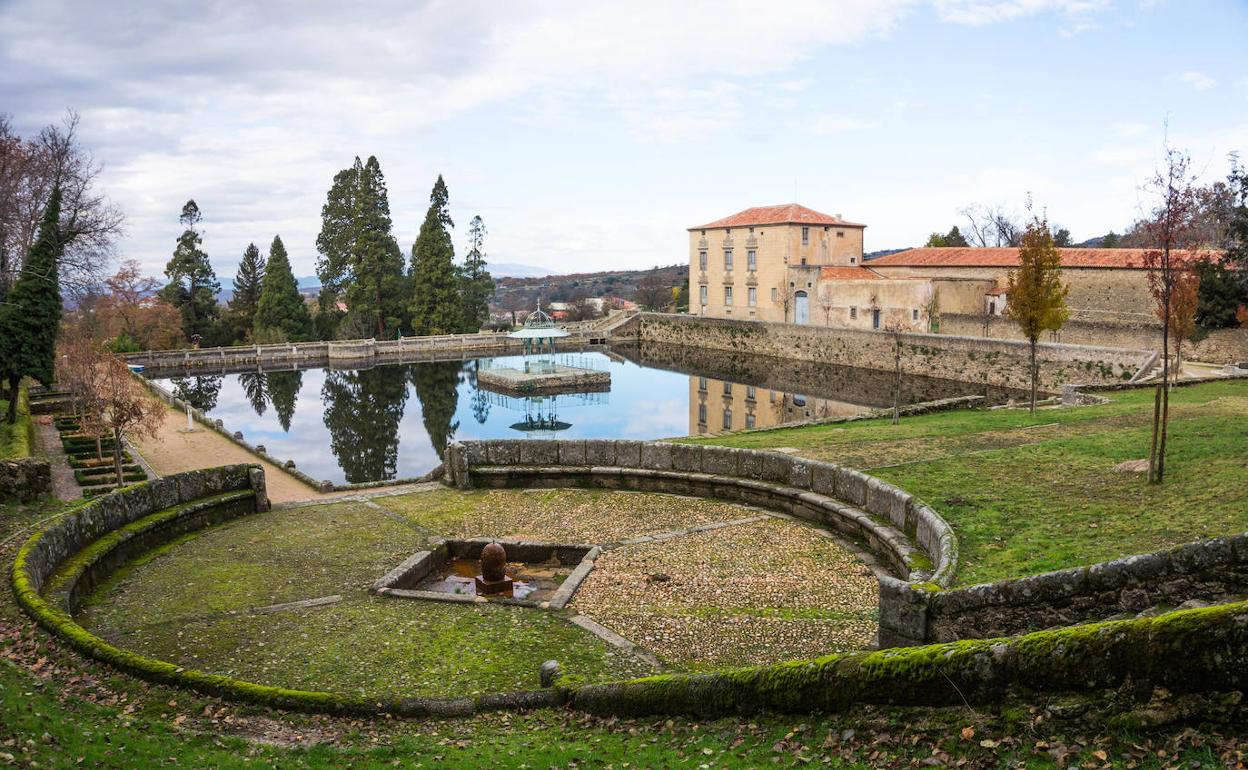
175, 451
64, 486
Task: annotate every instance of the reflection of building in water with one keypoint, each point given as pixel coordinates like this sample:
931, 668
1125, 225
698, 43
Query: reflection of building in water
719, 406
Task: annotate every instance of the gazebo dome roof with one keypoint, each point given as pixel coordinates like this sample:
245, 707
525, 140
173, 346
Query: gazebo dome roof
538, 325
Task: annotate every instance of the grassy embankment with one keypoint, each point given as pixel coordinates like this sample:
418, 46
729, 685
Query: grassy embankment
16, 440
1029, 494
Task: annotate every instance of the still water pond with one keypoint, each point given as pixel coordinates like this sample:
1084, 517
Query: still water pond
392, 421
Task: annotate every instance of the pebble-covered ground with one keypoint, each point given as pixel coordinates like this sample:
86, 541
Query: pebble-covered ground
742, 593
752, 593
558, 515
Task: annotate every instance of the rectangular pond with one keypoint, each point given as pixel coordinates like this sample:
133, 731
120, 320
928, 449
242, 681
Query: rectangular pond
393, 421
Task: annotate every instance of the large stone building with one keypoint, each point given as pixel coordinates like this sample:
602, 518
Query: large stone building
763, 263
793, 264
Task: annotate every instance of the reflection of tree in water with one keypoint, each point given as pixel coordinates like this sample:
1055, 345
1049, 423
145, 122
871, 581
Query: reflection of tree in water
283, 389
362, 412
257, 390
437, 387
480, 402
199, 392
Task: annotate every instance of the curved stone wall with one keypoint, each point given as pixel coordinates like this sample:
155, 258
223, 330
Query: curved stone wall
910, 537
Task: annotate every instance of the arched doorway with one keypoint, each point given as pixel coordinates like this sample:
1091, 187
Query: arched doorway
801, 308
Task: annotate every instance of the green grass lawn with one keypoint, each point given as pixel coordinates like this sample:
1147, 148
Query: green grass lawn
1028, 494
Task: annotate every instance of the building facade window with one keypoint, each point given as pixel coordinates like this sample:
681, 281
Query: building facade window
702, 413
915, 314
702, 384
702, 295
727, 259
752, 296
875, 318
728, 296
727, 419
728, 389
840, 233
749, 420
805, 236
751, 392
751, 259
853, 260
702, 259
853, 312
775, 294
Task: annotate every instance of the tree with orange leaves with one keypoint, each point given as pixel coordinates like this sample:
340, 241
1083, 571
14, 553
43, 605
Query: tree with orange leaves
1172, 232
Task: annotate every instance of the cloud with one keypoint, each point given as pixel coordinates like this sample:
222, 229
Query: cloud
979, 13
835, 124
1197, 80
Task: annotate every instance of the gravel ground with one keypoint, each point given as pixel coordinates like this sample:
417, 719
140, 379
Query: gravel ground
559, 515
754, 593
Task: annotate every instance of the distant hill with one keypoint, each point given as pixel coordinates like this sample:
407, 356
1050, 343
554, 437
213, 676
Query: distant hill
521, 292
515, 270
883, 253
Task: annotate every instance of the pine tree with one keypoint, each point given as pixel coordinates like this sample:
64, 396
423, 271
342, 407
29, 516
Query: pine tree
360, 261
31, 311
283, 391
193, 285
476, 283
435, 291
247, 285
281, 314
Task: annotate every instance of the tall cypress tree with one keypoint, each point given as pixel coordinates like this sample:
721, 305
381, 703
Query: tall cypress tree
360, 261
476, 283
193, 285
32, 310
281, 314
435, 305
247, 284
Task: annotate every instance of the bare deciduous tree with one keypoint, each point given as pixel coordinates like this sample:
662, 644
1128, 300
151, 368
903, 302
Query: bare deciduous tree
29, 169
1172, 231
826, 305
991, 226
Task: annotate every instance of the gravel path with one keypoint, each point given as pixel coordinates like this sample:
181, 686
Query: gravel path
64, 485
173, 451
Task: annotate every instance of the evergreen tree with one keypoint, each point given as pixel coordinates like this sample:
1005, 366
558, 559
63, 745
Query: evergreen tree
247, 283
281, 314
362, 412
256, 388
435, 292
31, 311
193, 285
361, 263
476, 283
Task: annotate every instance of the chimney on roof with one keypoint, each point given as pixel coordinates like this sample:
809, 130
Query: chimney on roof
838, 215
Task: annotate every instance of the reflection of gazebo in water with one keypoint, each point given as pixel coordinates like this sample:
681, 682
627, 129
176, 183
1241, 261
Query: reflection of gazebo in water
540, 371
542, 414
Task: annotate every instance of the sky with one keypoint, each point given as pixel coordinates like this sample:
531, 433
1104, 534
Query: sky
588, 135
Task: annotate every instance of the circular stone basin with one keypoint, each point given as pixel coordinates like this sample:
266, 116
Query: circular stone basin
742, 588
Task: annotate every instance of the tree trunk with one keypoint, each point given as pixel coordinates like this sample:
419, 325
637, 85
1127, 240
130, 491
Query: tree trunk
99, 446
1165, 380
896, 380
117, 455
14, 383
1033, 376
1152, 449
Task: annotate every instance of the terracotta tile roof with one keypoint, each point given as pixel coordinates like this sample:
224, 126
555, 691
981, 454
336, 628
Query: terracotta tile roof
835, 273
789, 213
1007, 257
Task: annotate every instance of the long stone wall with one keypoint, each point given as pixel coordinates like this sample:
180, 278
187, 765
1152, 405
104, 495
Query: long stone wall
1221, 346
1211, 571
977, 360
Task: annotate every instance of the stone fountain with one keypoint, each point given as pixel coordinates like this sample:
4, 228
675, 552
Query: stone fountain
493, 578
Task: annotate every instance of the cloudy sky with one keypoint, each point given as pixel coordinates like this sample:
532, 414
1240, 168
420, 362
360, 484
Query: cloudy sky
590, 134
